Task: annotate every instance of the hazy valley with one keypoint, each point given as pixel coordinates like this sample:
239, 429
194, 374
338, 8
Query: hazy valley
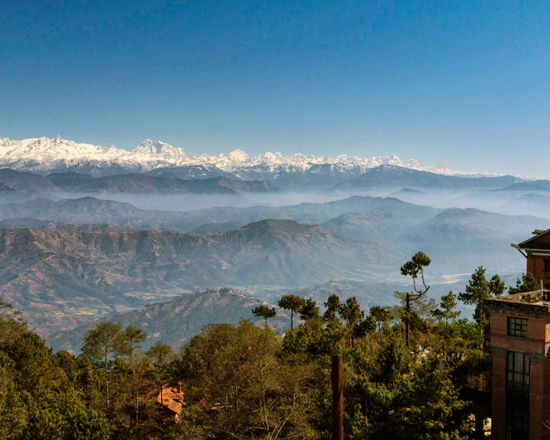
80, 241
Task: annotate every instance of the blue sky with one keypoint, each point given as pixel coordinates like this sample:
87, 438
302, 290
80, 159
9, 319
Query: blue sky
462, 84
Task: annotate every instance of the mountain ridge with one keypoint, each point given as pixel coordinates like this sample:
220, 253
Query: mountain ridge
175, 321
129, 183
55, 275
46, 154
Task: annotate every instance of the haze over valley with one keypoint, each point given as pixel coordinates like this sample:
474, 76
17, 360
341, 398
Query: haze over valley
82, 239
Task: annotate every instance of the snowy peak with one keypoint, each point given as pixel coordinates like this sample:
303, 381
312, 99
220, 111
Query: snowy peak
46, 150
238, 156
159, 149
46, 154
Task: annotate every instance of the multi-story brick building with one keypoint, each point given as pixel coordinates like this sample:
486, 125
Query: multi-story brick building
520, 343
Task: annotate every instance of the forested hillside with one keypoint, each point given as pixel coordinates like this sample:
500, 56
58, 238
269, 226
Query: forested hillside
418, 372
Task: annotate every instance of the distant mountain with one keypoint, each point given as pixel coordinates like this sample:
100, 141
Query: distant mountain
304, 212
69, 181
145, 184
537, 185
13, 207
535, 198
215, 228
532, 203
174, 322
368, 293
240, 186
25, 223
53, 272
163, 160
391, 176
409, 191
26, 181
79, 211
457, 240
142, 184
378, 225
195, 171
5, 188
11, 196
91, 210
462, 239
88, 210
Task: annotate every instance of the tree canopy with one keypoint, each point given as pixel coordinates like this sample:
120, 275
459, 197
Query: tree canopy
243, 382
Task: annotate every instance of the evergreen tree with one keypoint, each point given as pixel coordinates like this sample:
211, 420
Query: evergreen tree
13, 411
106, 343
264, 312
309, 310
332, 307
446, 311
381, 315
477, 291
103, 343
244, 387
415, 269
351, 312
528, 283
293, 303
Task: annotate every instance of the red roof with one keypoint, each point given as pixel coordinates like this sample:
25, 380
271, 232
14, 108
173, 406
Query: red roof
171, 398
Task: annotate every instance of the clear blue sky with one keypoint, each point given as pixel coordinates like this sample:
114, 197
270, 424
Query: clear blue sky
464, 84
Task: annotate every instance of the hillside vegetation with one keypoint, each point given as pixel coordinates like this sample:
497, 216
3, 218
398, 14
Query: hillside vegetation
243, 381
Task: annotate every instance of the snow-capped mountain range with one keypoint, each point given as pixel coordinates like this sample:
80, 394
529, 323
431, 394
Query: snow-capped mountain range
45, 154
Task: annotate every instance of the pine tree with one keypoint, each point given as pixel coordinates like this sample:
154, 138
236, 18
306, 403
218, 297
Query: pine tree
351, 312
381, 315
415, 269
477, 291
528, 283
309, 310
447, 312
293, 303
264, 312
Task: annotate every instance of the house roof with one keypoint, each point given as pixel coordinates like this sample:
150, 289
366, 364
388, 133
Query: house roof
171, 398
536, 301
533, 242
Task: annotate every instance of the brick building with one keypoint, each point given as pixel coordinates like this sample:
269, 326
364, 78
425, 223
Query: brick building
537, 251
519, 344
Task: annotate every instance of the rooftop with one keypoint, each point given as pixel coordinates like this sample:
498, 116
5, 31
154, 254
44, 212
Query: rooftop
172, 398
535, 301
533, 242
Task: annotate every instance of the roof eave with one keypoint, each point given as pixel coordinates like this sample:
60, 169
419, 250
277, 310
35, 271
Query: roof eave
521, 245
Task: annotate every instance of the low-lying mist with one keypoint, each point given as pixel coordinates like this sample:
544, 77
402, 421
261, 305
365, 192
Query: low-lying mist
361, 243
501, 202
195, 202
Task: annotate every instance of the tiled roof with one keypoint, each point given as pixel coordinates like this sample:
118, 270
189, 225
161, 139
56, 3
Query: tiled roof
171, 398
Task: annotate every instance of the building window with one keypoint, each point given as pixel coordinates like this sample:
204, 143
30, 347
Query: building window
547, 269
517, 416
518, 371
517, 327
